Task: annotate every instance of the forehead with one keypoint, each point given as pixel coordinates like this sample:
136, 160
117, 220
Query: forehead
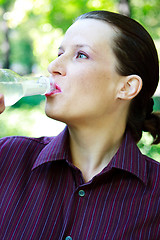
90, 31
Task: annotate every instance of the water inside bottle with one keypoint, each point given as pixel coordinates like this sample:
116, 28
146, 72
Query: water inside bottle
36, 87
12, 91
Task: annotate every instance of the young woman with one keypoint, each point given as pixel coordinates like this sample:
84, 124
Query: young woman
91, 181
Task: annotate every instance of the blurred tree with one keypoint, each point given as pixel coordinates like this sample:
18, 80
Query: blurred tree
5, 5
148, 13
63, 12
16, 46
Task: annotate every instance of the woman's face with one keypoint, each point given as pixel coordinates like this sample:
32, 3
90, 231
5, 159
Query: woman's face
85, 74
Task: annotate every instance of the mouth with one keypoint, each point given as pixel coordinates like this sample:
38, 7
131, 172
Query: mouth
54, 88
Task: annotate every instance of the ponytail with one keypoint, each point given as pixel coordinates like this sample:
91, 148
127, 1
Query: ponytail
152, 125
144, 119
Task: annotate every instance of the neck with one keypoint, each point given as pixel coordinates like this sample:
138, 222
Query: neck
92, 147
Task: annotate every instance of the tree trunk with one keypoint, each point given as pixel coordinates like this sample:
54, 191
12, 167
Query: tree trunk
6, 47
124, 7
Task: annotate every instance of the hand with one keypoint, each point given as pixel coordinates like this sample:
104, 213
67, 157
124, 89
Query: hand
2, 106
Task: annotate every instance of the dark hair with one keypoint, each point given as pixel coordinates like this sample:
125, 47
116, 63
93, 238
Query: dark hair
136, 54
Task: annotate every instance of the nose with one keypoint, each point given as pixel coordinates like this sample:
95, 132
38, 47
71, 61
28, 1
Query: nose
56, 67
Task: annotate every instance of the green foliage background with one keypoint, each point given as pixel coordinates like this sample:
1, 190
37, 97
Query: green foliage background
31, 31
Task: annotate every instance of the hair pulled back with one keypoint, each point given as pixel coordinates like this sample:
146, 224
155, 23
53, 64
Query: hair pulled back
136, 54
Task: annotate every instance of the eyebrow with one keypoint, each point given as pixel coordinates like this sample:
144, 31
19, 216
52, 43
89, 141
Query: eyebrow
78, 46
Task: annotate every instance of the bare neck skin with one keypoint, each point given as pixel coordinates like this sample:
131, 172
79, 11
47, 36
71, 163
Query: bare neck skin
94, 145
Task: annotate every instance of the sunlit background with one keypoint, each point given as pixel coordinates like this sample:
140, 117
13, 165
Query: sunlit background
31, 31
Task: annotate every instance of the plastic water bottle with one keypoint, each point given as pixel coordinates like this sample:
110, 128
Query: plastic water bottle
14, 87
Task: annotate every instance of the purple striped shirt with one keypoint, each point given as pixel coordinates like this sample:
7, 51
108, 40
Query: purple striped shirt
43, 196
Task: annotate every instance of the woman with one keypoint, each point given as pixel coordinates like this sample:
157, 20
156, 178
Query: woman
91, 181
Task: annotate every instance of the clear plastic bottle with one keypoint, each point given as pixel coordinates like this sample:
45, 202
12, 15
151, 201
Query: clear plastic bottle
14, 87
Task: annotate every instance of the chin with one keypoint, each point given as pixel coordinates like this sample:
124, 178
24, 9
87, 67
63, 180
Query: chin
53, 114
50, 113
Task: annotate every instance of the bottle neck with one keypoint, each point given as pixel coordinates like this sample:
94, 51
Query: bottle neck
35, 85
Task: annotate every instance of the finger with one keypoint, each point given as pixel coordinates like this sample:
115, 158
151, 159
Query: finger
2, 106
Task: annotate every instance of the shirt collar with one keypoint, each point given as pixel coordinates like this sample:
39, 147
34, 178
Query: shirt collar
56, 149
128, 157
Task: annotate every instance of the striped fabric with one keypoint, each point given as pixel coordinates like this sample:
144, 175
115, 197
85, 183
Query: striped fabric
43, 196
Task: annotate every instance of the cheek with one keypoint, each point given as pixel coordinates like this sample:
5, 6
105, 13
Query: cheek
88, 79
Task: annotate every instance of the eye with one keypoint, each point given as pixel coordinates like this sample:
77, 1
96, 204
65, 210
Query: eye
59, 54
82, 55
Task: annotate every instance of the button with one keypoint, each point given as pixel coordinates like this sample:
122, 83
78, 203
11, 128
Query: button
68, 238
81, 193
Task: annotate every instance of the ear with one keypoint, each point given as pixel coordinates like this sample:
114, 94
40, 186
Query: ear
130, 87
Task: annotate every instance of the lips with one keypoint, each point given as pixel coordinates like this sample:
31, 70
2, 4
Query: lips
54, 88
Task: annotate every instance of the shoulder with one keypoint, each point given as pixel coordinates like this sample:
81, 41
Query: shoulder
15, 140
151, 162
17, 148
153, 172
